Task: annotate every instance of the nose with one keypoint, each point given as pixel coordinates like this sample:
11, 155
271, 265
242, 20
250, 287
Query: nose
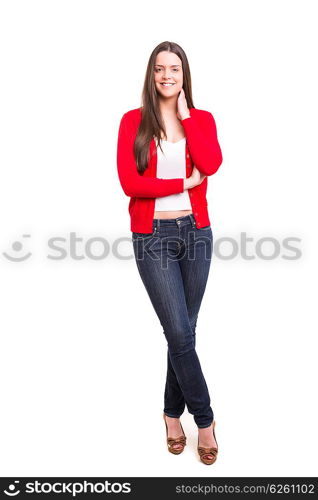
167, 75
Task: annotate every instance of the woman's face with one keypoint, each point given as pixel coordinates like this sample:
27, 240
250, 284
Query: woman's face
168, 69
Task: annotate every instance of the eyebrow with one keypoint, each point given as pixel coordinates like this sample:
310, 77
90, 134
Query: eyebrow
172, 65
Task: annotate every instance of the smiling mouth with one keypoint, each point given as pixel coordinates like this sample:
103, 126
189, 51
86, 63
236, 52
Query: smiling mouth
167, 84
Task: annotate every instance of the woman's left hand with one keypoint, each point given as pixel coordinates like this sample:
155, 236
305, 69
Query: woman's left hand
183, 110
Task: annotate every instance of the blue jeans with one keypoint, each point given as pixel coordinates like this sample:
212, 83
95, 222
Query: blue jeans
174, 262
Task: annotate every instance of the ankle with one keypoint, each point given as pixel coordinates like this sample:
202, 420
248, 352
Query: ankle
172, 419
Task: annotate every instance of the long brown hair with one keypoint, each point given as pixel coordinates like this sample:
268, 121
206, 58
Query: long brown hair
151, 124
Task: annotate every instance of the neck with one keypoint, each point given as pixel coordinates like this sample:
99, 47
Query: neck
169, 106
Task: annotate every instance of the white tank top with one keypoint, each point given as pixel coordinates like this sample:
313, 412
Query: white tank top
171, 164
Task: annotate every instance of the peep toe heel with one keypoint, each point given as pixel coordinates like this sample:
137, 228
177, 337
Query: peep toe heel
203, 452
181, 440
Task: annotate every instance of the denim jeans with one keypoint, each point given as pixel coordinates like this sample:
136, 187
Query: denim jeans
174, 262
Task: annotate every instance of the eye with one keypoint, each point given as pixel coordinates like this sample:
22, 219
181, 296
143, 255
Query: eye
159, 69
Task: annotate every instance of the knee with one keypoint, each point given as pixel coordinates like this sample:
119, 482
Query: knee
180, 341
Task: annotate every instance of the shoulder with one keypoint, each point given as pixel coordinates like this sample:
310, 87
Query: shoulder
203, 117
133, 116
200, 113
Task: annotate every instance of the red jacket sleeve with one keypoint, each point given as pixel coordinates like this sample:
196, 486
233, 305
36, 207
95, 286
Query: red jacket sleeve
203, 143
131, 181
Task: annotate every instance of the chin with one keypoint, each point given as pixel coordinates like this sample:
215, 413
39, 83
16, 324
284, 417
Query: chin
168, 94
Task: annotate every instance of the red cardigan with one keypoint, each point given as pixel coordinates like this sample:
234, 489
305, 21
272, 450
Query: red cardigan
202, 150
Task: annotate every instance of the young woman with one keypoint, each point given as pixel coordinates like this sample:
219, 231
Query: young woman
166, 150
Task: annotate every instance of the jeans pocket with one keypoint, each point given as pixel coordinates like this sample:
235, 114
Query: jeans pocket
143, 236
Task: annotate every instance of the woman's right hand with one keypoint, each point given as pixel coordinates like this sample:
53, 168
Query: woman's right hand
195, 179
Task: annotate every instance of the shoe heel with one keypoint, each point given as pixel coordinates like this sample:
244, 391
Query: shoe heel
179, 440
208, 451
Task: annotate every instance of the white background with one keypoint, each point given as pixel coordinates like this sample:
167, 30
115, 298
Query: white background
83, 356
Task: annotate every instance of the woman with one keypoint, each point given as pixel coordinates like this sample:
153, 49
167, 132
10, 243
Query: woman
166, 150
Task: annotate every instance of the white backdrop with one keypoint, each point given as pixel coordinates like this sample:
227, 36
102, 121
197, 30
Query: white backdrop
83, 354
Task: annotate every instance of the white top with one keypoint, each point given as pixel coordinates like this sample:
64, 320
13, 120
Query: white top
171, 164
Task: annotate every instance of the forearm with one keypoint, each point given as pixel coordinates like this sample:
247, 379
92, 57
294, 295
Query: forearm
149, 187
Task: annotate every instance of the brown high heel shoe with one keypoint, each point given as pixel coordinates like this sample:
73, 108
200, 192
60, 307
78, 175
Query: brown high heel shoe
208, 451
172, 441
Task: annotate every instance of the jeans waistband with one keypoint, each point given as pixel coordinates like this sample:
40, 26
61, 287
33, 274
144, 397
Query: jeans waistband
178, 221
